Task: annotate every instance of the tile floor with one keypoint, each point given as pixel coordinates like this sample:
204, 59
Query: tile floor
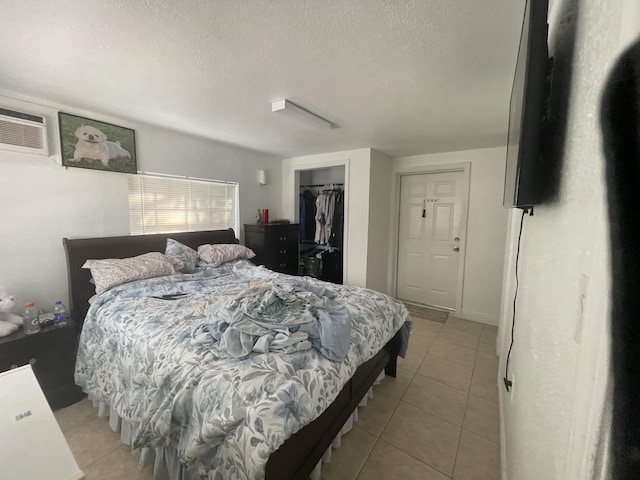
437, 420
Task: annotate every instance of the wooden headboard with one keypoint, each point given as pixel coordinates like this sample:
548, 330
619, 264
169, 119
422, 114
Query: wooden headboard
80, 250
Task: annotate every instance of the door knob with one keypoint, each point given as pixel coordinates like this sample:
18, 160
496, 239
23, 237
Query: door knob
456, 249
457, 239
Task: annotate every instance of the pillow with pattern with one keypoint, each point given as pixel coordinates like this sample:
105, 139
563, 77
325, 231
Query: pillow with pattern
111, 272
187, 255
216, 255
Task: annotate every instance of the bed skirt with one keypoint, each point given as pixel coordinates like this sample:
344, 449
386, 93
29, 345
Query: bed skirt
165, 461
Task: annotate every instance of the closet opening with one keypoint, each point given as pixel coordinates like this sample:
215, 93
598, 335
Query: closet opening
321, 220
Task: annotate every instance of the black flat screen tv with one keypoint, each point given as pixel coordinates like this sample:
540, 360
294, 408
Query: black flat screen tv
527, 110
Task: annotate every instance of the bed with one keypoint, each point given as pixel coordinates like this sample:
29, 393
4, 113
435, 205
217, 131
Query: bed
173, 445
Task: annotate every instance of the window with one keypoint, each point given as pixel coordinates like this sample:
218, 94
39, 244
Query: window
162, 204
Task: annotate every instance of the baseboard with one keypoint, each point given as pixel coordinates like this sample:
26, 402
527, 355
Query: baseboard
478, 317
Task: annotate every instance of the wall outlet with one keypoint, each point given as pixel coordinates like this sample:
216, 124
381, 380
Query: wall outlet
512, 378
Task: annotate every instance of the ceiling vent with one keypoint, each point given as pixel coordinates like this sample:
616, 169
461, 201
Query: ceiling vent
23, 132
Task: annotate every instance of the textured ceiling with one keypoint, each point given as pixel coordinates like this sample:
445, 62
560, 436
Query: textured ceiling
401, 76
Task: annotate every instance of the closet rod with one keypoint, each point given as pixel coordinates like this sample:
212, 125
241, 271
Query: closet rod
321, 185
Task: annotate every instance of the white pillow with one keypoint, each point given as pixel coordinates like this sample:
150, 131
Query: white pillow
108, 273
187, 255
215, 255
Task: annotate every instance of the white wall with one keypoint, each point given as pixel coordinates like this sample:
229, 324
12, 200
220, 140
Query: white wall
322, 176
559, 363
41, 202
486, 226
379, 215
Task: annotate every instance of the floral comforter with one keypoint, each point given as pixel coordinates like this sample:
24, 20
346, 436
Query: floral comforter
141, 351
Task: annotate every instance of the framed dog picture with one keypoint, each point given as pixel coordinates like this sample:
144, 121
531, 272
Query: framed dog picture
89, 143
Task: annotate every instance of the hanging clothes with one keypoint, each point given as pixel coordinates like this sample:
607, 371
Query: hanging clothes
307, 215
322, 221
325, 206
320, 206
337, 230
330, 199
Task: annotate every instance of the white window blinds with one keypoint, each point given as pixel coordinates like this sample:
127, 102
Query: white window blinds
159, 204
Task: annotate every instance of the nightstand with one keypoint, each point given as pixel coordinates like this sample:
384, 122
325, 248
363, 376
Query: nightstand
275, 244
52, 355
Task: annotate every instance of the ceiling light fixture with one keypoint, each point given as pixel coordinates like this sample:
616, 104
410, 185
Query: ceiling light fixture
302, 113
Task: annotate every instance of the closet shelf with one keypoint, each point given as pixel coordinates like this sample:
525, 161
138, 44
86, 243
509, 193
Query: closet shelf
315, 185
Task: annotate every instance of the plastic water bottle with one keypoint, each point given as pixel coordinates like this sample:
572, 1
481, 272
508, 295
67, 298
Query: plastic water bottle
59, 314
30, 319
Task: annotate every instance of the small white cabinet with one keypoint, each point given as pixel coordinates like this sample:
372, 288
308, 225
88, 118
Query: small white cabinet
32, 444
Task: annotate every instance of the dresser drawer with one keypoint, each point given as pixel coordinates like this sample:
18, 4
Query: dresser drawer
276, 246
284, 261
282, 239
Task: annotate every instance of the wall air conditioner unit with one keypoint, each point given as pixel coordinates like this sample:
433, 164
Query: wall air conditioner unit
23, 132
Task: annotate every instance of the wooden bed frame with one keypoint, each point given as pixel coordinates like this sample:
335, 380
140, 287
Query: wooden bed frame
298, 456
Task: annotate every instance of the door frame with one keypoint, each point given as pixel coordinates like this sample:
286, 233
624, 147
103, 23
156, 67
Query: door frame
465, 168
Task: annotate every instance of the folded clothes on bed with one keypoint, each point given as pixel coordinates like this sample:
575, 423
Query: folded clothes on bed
285, 316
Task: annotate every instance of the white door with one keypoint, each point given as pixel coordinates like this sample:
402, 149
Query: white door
429, 238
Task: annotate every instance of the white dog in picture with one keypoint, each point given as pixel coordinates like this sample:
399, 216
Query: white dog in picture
93, 144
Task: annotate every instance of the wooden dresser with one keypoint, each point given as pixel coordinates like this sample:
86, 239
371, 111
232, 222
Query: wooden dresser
275, 244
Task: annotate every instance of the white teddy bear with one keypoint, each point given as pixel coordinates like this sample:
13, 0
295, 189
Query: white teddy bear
9, 322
